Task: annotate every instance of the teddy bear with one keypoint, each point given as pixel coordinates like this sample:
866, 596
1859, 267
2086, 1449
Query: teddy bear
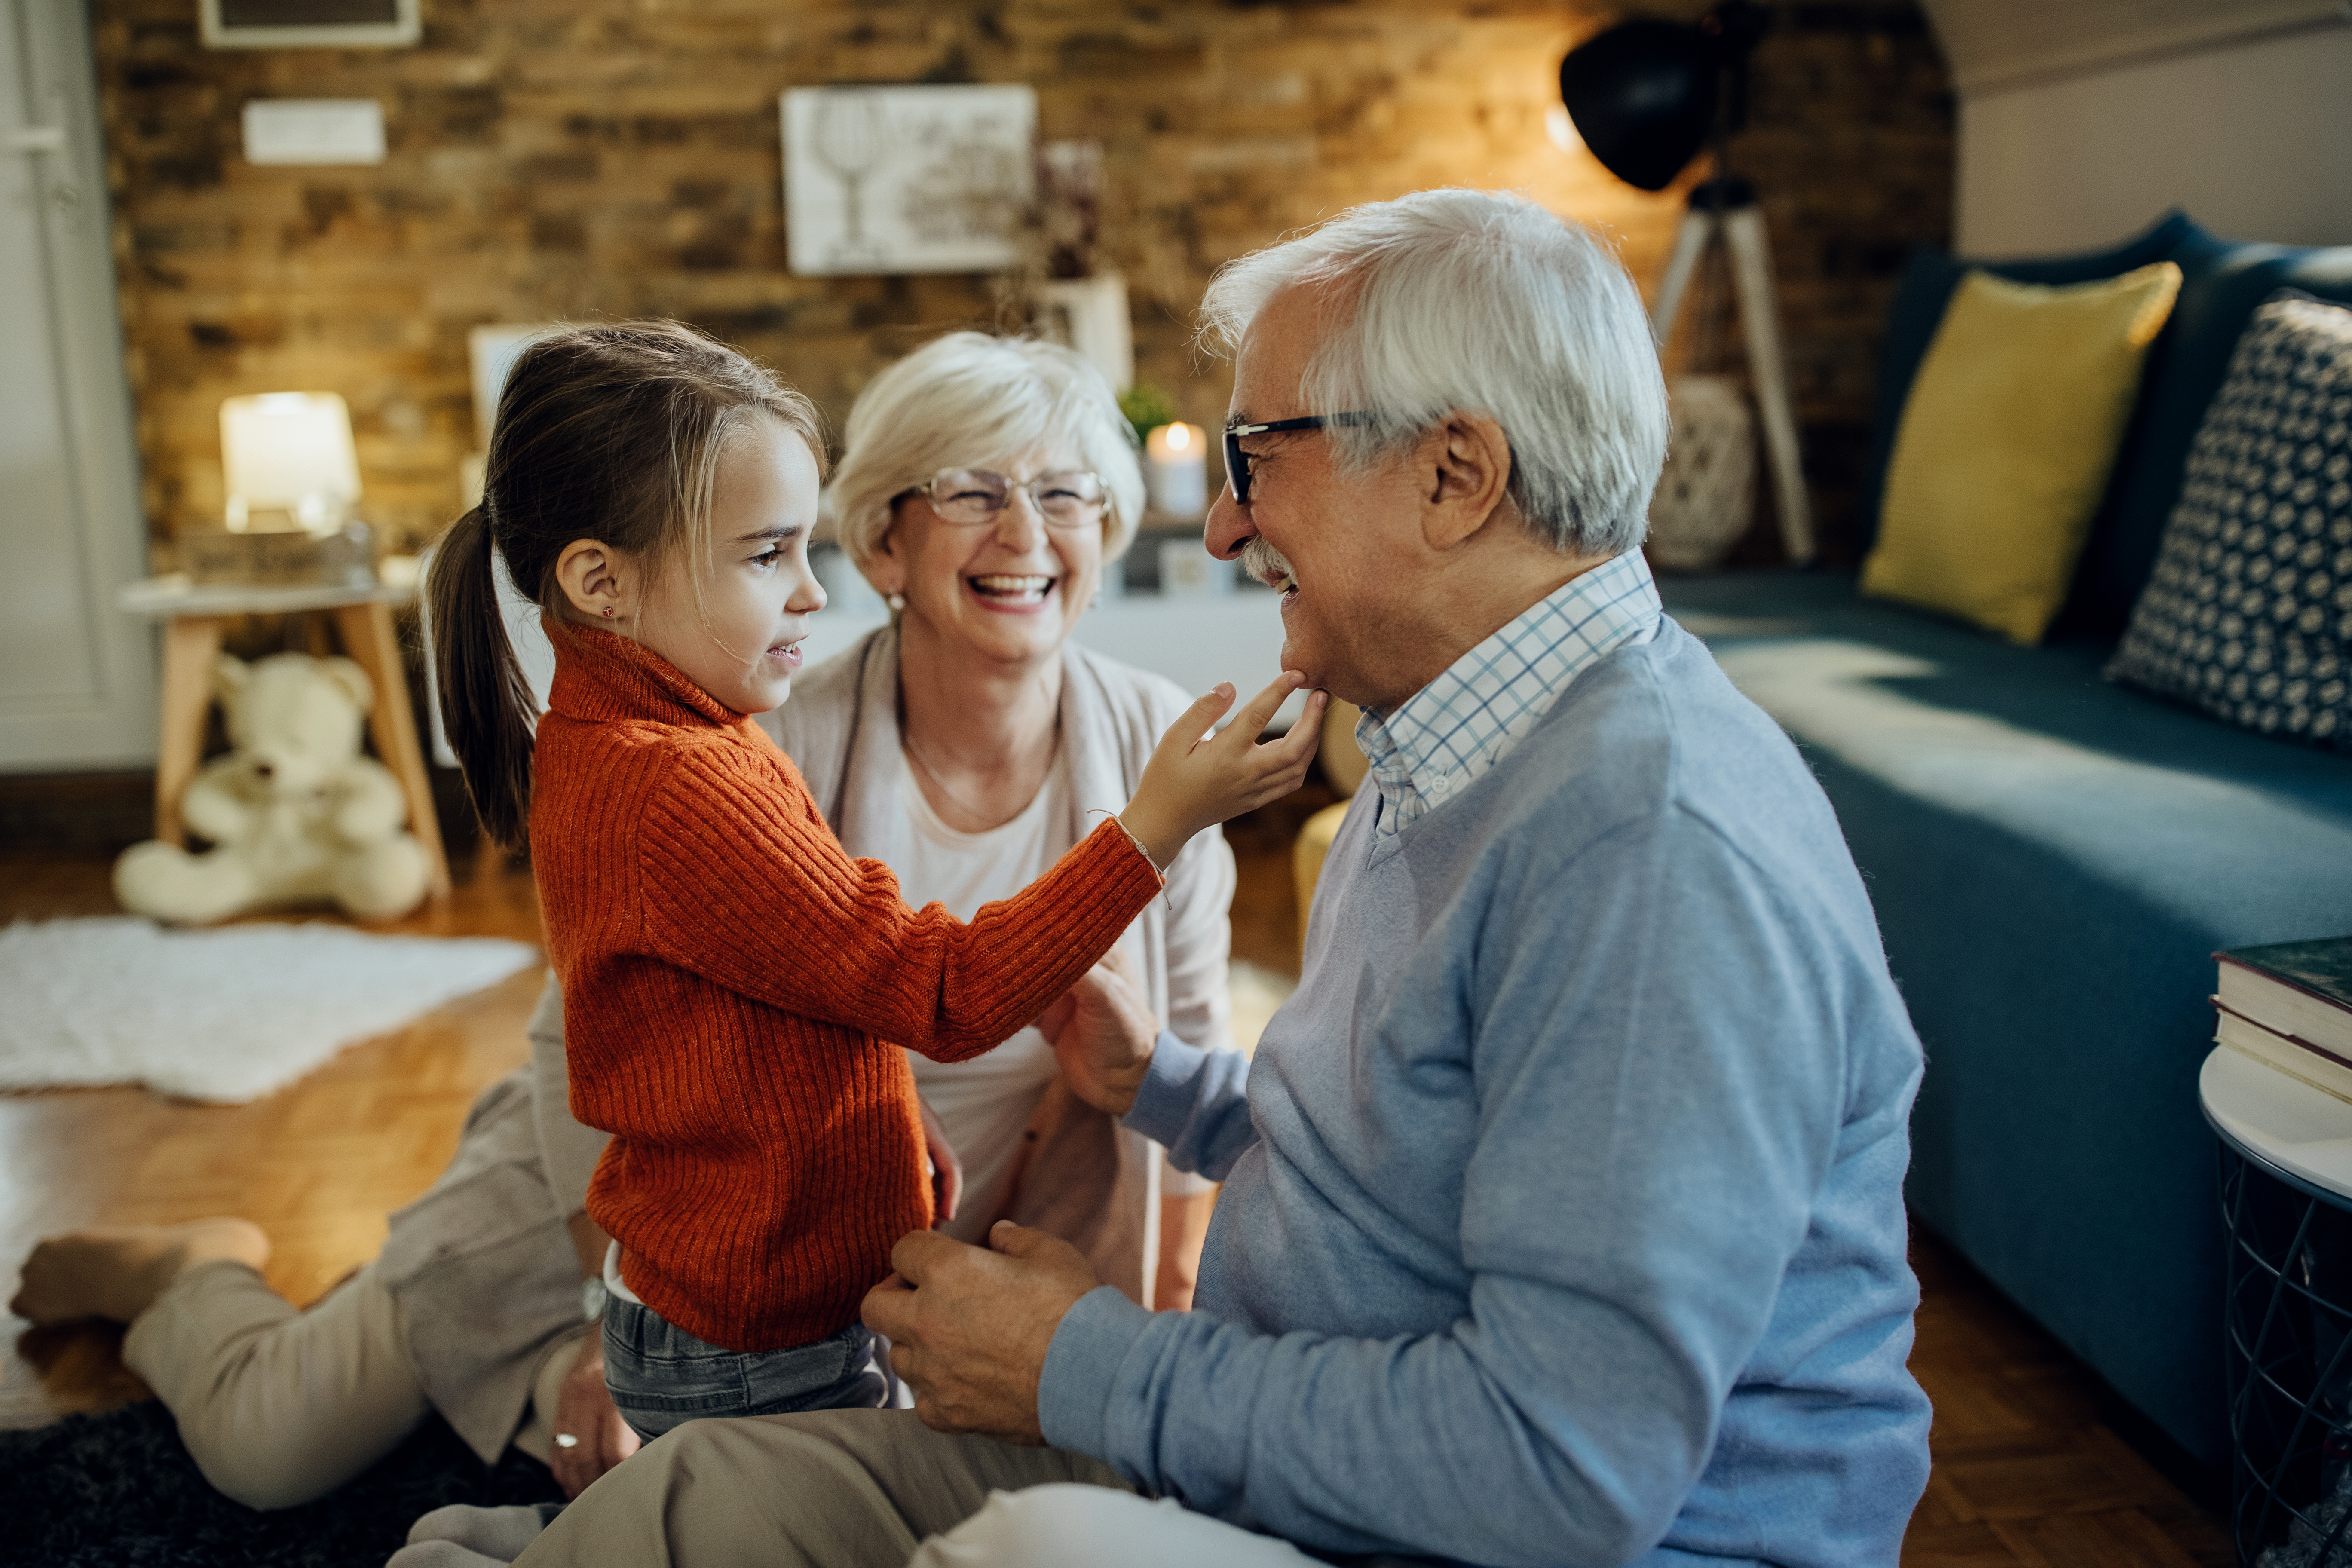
294, 811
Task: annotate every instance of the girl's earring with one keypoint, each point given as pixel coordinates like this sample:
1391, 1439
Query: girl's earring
898, 602
608, 610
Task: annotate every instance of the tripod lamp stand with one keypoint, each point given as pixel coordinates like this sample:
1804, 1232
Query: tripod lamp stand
1646, 96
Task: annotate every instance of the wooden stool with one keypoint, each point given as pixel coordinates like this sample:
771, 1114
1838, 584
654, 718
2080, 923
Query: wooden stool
195, 616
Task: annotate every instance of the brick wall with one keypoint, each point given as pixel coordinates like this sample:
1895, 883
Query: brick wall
614, 157
1850, 144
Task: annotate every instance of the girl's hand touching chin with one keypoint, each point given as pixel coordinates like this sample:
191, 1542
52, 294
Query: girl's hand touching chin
1197, 778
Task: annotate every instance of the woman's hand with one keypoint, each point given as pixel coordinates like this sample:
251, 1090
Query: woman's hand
946, 1170
1196, 779
584, 1410
1102, 1029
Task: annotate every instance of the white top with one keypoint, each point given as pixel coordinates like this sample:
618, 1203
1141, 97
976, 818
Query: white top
2294, 1126
983, 1104
613, 1284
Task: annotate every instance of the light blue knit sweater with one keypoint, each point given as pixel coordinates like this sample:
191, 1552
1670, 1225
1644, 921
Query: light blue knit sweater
1563, 1214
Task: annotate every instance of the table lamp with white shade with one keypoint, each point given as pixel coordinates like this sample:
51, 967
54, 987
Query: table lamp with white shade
288, 462
291, 479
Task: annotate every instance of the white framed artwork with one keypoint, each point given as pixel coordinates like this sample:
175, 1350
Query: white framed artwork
308, 24
491, 350
906, 179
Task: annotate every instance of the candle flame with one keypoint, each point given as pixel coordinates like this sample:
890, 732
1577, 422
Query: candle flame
1178, 437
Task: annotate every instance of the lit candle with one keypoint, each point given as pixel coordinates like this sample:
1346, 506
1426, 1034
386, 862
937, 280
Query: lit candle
1176, 469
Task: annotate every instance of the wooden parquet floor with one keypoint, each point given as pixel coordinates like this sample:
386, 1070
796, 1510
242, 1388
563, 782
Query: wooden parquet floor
2026, 1476
318, 1165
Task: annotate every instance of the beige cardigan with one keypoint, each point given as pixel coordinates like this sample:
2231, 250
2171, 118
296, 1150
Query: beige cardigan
1082, 1177
481, 1265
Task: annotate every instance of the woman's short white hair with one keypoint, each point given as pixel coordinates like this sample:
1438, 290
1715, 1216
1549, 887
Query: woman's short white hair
1482, 301
970, 399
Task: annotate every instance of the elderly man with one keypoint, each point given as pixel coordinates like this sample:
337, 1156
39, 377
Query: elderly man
1562, 1216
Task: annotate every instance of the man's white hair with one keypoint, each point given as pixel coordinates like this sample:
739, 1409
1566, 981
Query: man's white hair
1484, 303
971, 400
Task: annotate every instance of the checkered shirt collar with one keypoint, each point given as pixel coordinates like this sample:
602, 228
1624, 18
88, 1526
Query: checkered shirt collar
1445, 736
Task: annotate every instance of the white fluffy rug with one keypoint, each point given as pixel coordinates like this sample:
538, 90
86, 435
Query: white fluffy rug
224, 1015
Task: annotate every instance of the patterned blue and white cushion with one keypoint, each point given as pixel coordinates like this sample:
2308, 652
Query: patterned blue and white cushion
2249, 611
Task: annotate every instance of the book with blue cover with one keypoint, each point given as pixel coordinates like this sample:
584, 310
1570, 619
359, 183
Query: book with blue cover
2300, 992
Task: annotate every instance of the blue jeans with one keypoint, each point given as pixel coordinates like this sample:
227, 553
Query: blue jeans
660, 1376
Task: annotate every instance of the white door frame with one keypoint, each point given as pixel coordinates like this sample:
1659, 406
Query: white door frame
59, 136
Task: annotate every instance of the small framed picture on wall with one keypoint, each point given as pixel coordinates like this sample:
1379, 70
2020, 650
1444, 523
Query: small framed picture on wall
883, 180
309, 23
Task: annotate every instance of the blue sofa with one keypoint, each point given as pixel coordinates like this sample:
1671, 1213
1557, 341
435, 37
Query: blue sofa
2053, 860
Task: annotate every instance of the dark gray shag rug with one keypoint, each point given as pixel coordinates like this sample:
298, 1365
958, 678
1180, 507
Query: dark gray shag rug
118, 1491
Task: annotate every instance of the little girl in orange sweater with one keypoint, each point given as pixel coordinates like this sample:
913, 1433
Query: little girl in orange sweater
736, 987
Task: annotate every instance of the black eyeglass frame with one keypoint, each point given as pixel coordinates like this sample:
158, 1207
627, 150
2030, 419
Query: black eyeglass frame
1237, 472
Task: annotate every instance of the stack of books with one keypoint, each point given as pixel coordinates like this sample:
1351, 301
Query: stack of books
2289, 1006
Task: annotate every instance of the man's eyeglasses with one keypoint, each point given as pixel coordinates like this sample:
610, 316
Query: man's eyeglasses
1237, 469
972, 496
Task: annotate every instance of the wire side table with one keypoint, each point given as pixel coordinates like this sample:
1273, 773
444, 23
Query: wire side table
2286, 1214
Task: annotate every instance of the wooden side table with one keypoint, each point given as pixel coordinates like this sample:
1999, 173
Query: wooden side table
196, 616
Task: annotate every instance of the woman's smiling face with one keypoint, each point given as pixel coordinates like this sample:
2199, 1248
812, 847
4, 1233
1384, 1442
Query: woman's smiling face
1009, 589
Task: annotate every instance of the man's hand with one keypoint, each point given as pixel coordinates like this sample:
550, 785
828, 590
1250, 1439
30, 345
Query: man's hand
969, 1329
1102, 1030
584, 1409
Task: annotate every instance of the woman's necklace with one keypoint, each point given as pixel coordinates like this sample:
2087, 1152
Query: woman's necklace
975, 813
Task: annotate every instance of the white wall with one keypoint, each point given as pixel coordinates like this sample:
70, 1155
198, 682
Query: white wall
2255, 139
76, 675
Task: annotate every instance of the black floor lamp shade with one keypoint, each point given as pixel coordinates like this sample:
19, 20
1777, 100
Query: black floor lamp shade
1646, 95
1642, 95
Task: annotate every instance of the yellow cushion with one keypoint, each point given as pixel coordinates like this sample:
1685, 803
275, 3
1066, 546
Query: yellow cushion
1343, 760
1307, 857
2006, 442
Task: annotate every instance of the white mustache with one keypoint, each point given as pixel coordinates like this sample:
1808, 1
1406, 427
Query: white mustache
1265, 563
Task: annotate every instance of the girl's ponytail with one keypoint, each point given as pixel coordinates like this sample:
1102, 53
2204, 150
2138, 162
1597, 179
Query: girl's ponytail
486, 703
609, 433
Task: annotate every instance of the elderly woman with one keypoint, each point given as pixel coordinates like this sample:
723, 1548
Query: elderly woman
984, 483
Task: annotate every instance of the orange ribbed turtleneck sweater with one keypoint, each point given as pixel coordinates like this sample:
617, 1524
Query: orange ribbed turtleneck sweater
736, 989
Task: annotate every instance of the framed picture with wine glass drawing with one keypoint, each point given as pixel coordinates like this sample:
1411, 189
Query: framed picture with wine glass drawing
906, 179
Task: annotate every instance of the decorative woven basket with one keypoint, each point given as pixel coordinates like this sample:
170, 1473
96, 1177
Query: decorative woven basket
1706, 496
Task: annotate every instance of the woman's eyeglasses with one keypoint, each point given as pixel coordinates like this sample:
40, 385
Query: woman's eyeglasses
1237, 463
970, 496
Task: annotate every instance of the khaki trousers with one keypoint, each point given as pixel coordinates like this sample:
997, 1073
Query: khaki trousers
870, 1488
278, 1406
